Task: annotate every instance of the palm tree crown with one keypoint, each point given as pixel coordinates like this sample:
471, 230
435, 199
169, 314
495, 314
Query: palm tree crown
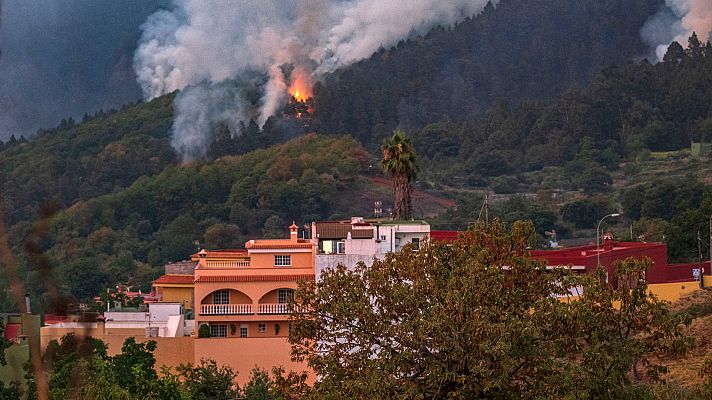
399, 160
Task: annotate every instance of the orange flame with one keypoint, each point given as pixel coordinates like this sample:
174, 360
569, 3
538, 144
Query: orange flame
301, 87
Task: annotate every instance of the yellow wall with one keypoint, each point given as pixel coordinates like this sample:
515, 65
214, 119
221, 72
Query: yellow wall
183, 295
673, 291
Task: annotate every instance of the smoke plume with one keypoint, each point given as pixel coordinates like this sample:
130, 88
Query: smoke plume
203, 47
675, 22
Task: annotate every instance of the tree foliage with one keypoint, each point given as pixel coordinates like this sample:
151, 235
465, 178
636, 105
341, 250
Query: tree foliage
399, 161
480, 319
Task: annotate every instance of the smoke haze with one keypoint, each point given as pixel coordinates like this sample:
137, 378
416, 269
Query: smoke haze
62, 58
196, 45
675, 22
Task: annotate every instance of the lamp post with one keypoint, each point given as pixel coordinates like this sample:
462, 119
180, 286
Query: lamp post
598, 229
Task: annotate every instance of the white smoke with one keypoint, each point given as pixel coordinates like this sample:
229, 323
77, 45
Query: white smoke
198, 44
676, 22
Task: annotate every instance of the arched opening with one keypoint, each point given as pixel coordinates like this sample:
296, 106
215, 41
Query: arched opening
276, 301
226, 302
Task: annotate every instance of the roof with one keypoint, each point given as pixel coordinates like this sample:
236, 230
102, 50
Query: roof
444, 236
221, 253
341, 230
255, 278
277, 244
174, 280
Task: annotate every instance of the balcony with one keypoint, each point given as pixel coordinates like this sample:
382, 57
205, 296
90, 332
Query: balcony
227, 264
273, 308
225, 309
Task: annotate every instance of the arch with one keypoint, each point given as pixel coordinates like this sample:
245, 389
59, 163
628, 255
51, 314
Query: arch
273, 296
234, 296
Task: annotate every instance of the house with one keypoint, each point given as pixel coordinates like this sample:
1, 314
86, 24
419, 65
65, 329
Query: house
241, 302
667, 281
176, 285
359, 240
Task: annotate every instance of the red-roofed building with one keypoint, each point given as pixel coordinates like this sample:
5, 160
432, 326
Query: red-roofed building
668, 281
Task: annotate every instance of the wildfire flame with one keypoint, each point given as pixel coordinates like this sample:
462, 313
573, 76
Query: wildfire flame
300, 87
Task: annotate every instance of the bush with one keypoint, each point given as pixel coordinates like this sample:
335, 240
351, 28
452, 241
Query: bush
204, 331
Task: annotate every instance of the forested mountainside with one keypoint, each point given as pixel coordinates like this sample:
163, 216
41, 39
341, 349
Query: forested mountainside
624, 113
125, 205
520, 50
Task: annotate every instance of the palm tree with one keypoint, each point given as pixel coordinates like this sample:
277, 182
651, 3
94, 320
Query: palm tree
399, 161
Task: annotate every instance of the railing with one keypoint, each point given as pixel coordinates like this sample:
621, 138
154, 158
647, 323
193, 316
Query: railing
227, 264
274, 308
225, 309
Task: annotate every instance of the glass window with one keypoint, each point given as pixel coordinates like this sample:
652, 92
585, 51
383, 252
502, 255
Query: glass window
285, 295
221, 297
416, 243
218, 330
262, 328
243, 330
283, 261
340, 248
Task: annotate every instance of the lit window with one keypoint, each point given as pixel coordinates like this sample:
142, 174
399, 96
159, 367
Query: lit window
415, 243
285, 295
221, 297
243, 330
218, 330
282, 261
262, 328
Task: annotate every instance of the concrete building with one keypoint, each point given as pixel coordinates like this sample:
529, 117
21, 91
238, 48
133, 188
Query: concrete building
242, 298
358, 240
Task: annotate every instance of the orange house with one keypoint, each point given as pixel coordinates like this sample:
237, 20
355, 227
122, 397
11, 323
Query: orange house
241, 298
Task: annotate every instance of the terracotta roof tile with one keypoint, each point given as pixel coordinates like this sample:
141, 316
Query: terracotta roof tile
254, 278
340, 230
174, 279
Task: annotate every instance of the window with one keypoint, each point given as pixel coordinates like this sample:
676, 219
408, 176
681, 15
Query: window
218, 330
340, 247
262, 328
285, 295
243, 330
282, 261
416, 243
221, 297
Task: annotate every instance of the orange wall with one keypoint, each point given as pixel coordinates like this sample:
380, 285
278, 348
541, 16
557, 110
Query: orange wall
254, 290
247, 353
169, 351
266, 260
673, 291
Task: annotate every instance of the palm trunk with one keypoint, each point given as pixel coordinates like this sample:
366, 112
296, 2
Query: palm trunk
403, 190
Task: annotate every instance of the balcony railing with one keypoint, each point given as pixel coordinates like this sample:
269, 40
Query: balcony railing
228, 264
225, 309
274, 308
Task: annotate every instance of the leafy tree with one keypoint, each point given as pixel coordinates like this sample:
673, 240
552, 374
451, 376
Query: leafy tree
399, 160
134, 367
207, 381
478, 319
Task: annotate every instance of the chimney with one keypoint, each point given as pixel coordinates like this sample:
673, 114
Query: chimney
607, 241
293, 232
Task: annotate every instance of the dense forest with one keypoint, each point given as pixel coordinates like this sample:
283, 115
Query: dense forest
520, 50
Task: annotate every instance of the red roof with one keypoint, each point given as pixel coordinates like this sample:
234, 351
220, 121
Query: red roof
254, 278
174, 279
444, 236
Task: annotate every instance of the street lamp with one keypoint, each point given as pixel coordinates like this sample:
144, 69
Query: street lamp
598, 229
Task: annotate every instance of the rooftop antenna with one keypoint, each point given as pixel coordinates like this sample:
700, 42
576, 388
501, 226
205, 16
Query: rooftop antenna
377, 210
